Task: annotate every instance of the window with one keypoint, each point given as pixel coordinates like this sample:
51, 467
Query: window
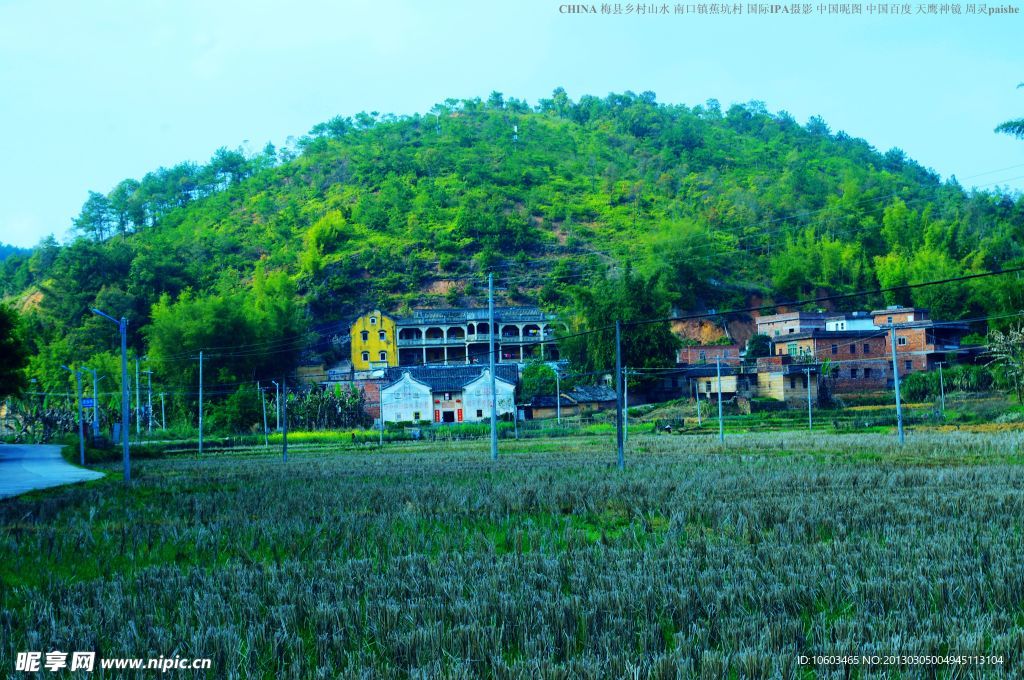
792, 382
366, 356
447, 396
373, 321
479, 413
835, 349
383, 356
777, 333
416, 415
703, 356
383, 336
853, 349
867, 372
707, 386
853, 372
792, 330
908, 364
365, 336
900, 340
888, 320
867, 348
791, 349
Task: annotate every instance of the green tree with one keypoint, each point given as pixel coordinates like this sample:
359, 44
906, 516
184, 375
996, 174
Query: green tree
759, 346
14, 353
1007, 352
538, 379
1013, 127
625, 298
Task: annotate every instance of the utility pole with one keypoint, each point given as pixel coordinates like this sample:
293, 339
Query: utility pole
558, 396
263, 403
200, 452
277, 406
494, 382
284, 431
625, 409
95, 402
721, 425
81, 431
149, 399
696, 393
163, 417
138, 406
619, 441
810, 421
122, 327
896, 383
942, 391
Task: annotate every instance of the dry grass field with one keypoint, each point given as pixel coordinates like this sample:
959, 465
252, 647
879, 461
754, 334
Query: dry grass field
429, 560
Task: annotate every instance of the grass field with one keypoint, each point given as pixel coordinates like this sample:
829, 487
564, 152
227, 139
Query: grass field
429, 560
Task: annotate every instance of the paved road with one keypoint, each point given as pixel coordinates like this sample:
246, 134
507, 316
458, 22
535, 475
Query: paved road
25, 467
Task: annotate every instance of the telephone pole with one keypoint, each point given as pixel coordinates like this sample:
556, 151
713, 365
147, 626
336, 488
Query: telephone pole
721, 425
810, 421
81, 431
149, 399
625, 409
277, 406
942, 391
263, 403
896, 383
494, 383
696, 393
200, 452
138, 406
163, 417
618, 396
284, 430
122, 327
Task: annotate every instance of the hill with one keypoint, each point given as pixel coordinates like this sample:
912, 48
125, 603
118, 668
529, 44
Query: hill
277, 251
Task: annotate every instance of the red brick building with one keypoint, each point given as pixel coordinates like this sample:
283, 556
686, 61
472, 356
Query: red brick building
707, 354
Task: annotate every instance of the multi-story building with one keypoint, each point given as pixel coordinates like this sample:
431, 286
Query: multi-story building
921, 343
372, 336
707, 354
787, 323
461, 336
859, 358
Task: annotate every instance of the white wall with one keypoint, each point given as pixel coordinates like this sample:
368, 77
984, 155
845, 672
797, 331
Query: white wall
400, 401
477, 397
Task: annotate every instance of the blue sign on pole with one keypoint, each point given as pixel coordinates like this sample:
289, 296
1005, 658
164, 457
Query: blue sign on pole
88, 402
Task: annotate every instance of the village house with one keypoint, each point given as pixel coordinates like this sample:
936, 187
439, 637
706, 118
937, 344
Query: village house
730, 355
921, 343
452, 394
859, 358
452, 337
787, 323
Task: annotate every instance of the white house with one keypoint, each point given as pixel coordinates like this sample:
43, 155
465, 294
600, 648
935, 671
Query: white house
407, 399
446, 394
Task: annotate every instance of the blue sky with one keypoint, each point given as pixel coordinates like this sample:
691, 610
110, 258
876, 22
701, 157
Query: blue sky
94, 92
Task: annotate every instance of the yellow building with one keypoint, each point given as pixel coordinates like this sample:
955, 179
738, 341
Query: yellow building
373, 341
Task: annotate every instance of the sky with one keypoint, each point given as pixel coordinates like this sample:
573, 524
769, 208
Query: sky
95, 92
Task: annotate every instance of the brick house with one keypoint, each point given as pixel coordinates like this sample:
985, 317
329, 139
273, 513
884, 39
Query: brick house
706, 354
859, 359
921, 343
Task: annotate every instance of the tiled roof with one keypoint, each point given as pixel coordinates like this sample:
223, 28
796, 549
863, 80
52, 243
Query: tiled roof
468, 314
591, 393
449, 378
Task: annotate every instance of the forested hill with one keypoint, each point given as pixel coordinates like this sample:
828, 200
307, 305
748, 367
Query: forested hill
404, 211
